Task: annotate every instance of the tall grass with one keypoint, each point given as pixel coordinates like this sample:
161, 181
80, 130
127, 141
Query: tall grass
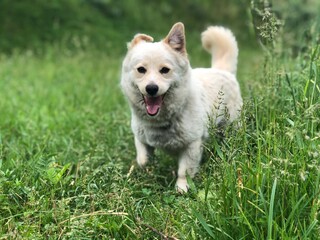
269, 181
67, 168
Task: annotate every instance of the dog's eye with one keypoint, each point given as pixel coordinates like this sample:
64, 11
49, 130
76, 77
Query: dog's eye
141, 70
164, 70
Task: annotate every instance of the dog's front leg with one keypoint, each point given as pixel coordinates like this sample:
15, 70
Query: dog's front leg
143, 152
188, 164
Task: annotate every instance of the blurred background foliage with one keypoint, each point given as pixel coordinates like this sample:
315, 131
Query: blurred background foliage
108, 24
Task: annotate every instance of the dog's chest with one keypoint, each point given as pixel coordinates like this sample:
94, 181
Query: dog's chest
169, 137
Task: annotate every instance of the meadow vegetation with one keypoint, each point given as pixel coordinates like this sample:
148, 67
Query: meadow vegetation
67, 168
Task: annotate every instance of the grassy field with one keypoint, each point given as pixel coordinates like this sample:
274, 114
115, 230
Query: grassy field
67, 167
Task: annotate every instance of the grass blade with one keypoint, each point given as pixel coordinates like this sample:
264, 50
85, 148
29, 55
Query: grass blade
203, 223
292, 94
271, 209
310, 228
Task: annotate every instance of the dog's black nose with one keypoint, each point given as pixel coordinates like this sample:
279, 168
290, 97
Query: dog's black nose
152, 89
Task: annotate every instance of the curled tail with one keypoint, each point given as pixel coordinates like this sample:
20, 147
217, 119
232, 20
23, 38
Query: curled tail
221, 43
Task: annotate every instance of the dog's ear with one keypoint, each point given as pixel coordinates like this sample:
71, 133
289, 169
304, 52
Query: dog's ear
176, 38
138, 38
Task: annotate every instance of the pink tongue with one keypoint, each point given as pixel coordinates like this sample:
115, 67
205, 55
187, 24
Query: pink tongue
153, 104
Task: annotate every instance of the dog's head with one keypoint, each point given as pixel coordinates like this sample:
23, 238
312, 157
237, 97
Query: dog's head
152, 71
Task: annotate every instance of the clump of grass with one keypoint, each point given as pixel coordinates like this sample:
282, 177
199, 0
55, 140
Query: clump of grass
266, 22
268, 185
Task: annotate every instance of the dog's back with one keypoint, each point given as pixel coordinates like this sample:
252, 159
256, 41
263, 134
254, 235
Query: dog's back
220, 89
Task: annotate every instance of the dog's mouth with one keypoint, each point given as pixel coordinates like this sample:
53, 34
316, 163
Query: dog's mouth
153, 104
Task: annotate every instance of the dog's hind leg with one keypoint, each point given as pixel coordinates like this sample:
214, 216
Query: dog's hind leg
188, 164
143, 152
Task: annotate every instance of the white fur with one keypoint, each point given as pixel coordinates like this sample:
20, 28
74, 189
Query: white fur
190, 96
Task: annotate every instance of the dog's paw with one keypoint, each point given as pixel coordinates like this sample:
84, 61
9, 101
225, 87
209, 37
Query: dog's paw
142, 161
182, 185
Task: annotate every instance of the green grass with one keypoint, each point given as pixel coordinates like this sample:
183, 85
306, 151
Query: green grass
67, 167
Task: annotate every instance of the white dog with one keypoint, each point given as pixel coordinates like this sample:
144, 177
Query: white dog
171, 103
